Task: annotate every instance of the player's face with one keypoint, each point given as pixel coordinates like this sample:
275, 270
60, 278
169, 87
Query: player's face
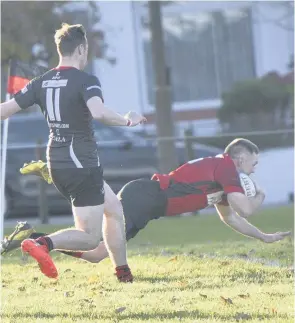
248, 163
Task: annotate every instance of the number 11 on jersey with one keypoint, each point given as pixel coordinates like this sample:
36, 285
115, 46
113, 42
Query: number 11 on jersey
52, 104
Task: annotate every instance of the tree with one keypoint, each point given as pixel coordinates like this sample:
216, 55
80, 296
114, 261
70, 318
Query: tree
261, 104
29, 24
284, 17
28, 27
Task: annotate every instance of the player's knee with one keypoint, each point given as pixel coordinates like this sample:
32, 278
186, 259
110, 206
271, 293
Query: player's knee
95, 259
93, 242
97, 255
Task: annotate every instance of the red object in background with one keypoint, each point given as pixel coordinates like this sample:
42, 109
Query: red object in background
16, 83
21, 73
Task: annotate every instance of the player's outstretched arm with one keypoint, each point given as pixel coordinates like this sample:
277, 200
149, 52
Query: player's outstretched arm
242, 226
8, 109
243, 205
107, 116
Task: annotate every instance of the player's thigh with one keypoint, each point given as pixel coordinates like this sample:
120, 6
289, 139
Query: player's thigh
141, 201
85, 187
57, 180
88, 201
130, 229
89, 219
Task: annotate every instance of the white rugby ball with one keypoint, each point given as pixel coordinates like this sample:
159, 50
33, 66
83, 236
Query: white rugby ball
248, 185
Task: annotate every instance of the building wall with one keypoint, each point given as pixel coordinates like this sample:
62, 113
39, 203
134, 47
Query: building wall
125, 83
120, 82
277, 184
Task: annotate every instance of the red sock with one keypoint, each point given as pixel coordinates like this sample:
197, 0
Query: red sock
45, 241
123, 274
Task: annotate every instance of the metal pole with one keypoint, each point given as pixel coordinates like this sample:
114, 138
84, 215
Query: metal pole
3, 172
3, 162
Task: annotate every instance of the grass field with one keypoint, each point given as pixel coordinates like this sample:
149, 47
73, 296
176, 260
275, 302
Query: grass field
189, 269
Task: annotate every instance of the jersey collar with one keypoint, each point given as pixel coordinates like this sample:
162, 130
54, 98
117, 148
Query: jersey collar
63, 67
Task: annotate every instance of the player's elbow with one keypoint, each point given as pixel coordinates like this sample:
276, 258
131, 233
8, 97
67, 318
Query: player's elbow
3, 113
245, 212
98, 115
8, 108
96, 108
240, 204
3, 117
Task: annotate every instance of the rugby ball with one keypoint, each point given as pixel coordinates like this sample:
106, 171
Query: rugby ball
248, 185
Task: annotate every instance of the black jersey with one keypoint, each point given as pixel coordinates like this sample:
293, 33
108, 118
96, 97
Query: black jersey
62, 94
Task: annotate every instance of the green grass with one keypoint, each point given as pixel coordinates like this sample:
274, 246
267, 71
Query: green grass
188, 269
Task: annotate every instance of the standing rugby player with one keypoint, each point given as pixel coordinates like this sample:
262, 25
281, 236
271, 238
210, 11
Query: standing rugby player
70, 99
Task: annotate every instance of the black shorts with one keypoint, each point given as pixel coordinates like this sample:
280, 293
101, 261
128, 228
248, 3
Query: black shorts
142, 200
80, 186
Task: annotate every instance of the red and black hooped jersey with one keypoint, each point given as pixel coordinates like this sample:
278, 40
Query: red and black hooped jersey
200, 183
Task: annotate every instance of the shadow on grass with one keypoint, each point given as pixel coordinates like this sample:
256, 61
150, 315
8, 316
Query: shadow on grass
177, 282
194, 314
157, 280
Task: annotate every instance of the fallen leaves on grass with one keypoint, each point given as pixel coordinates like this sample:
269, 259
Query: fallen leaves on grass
120, 309
203, 295
69, 294
244, 295
274, 311
87, 302
182, 283
173, 300
226, 300
93, 279
54, 282
225, 263
67, 270
173, 259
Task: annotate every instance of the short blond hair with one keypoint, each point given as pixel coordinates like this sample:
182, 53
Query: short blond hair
239, 145
68, 38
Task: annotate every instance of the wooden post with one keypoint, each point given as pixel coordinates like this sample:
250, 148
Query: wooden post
163, 106
189, 151
189, 144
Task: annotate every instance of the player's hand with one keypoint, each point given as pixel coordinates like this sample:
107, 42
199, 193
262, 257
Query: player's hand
258, 188
135, 118
273, 237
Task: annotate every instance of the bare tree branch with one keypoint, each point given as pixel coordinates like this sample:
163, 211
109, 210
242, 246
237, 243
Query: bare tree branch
281, 21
